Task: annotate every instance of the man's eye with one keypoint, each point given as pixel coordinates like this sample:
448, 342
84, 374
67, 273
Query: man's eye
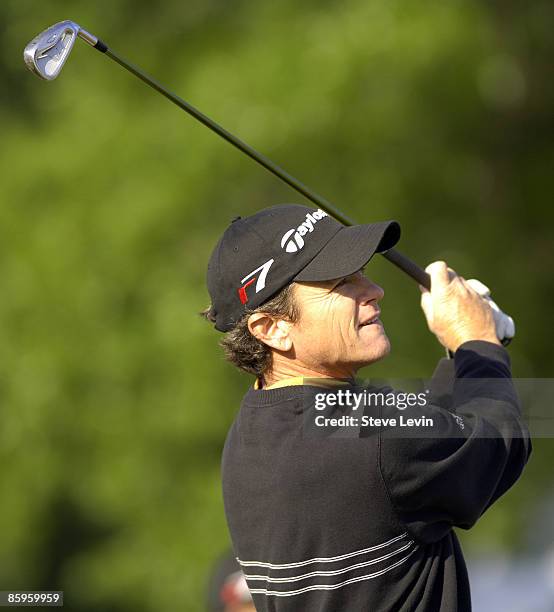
343, 281
351, 278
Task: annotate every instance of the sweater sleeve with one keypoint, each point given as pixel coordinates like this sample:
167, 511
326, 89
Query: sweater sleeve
475, 451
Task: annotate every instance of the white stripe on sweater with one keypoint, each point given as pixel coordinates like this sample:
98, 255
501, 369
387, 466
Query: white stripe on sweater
330, 587
278, 566
330, 573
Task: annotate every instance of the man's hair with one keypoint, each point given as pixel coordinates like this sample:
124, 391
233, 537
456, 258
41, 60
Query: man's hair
241, 347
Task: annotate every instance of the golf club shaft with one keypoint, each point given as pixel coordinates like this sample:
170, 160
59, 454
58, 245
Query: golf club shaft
398, 259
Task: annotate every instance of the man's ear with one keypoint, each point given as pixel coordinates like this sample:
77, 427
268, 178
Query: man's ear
270, 330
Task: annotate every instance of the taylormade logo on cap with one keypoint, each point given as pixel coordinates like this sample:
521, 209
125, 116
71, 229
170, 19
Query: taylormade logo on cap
292, 241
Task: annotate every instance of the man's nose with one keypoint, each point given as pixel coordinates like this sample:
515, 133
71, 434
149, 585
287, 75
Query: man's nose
371, 291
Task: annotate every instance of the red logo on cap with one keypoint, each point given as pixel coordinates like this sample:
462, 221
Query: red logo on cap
242, 291
260, 284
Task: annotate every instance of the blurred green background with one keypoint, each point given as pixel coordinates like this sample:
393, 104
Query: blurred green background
115, 398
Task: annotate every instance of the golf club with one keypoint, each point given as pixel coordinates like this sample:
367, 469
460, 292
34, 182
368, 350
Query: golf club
47, 53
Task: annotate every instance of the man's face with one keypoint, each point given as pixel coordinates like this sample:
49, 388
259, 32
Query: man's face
339, 329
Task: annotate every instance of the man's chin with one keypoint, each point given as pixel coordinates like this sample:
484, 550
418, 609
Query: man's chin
381, 348
376, 350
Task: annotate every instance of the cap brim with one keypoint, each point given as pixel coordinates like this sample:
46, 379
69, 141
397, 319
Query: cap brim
349, 250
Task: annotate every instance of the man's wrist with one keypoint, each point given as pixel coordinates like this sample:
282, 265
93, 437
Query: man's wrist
491, 339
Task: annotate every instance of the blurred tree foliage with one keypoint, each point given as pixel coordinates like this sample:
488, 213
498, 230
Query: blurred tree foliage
115, 399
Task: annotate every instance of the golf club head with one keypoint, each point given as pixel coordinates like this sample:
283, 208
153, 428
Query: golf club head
46, 54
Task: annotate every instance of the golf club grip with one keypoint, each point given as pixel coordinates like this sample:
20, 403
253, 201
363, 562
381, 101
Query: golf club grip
409, 267
419, 274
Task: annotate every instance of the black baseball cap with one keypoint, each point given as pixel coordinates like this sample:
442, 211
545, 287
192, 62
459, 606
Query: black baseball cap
259, 255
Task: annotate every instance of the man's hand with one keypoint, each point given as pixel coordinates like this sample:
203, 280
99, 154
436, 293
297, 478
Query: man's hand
455, 312
505, 326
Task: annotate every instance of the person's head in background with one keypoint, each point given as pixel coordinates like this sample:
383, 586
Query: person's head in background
228, 591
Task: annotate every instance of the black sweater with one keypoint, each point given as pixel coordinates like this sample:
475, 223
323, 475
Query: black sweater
362, 519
